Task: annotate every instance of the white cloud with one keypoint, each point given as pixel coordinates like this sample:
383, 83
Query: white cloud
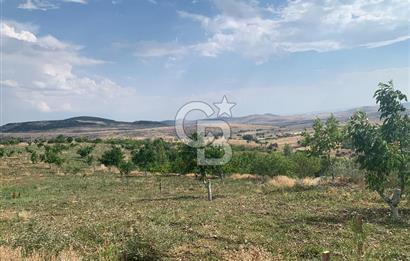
388, 42
76, 1
9, 83
47, 73
42, 106
45, 5
258, 32
156, 49
11, 32
37, 5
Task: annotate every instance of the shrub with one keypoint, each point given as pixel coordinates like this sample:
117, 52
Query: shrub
154, 156
59, 139
343, 167
112, 157
10, 153
272, 164
52, 156
287, 150
125, 168
137, 248
85, 151
305, 166
248, 137
34, 157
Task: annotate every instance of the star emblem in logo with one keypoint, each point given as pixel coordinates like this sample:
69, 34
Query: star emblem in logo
224, 107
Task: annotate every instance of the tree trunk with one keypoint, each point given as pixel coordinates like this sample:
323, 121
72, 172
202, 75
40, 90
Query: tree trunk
209, 187
393, 202
222, 177
402, 182
394, 205
395, 212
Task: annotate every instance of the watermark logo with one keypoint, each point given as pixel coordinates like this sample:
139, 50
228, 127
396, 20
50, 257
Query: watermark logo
207, 129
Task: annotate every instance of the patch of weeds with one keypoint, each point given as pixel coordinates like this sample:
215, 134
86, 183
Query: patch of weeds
89, 235
138, 248
310, 252
32, 236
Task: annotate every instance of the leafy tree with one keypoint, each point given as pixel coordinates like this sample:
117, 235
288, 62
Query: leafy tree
10, 152
59, 139
85, 151
215, 152
34, 157
305, 166
242, 162
272, 164
125, 168
2, 152
248, 137
384, 150
89, 160
112, 157
153, 156
52, 156
325, 138
186, 161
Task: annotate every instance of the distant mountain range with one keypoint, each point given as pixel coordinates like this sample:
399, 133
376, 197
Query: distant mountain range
86, 123
78, 122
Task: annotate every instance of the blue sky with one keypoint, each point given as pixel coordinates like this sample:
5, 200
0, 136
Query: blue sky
143, 59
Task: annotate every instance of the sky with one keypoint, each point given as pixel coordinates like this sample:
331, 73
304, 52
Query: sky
144, 59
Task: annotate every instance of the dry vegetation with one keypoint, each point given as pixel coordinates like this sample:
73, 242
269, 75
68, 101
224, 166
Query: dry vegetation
89, 213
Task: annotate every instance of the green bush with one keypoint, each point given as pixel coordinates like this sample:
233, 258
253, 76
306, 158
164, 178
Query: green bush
112, 157
305, 166
343, 167
10, 153
34, 157
85, 151
137, 248
248, 137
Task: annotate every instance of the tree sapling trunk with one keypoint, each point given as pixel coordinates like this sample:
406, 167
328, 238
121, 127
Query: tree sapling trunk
209, 188
394, 203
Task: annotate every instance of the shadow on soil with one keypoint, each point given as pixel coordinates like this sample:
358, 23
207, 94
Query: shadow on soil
380, 216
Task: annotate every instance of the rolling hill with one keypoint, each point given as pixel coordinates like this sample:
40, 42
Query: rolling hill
101, 127
77, 123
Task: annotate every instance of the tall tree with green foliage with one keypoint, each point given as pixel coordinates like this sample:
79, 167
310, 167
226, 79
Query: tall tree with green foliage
125, 168
52, 156
112, 157
153, 156
384, 150
325, 138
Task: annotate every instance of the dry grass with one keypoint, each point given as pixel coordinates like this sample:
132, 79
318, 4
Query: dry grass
247, 254
9, 254
238, 176
282, 182
309, 182
287, 182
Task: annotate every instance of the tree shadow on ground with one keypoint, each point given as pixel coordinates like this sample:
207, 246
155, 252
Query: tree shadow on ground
380, 216
181, 198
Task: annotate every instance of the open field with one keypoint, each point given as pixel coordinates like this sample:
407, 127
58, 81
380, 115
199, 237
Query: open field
95, 215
